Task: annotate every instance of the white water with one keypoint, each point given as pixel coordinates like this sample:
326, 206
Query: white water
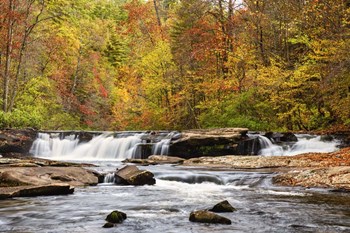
162, 147
305, 144
166, 206
108, 147
100, 147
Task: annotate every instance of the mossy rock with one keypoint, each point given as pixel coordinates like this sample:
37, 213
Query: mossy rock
116, 217
223, 207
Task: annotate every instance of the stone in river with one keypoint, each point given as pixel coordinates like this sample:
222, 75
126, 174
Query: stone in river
204, 216
131, 175
223, 207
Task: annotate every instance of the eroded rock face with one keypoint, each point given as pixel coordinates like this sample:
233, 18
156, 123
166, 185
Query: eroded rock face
131, 175
223, 207
16, 141
213, 142
204, 216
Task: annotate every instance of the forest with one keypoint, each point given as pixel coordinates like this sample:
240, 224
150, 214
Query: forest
175, 64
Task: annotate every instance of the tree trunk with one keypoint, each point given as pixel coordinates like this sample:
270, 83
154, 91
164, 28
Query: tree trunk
157, 12
9, 42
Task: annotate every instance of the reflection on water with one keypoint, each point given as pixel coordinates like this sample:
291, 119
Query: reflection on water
165, 207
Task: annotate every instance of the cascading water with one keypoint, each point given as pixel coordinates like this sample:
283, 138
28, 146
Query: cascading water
161, 148
268, 148
305, 144
104, 146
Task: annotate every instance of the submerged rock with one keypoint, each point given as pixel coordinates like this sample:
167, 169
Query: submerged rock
131, 175
223, 207
204, 216
108, 225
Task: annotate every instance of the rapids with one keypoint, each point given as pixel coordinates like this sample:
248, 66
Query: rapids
165, 207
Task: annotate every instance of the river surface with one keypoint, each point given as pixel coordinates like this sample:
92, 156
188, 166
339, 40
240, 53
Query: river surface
166, 206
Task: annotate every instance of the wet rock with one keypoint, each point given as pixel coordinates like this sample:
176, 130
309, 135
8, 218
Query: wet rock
204, 216
281, 137
223, 207
289, 137
131, 175
116, 217
108, 225
327, 138
33, 191
156, 159
46, 190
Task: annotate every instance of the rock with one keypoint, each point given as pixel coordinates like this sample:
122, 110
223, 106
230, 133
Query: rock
108, 225
33, 191
289, 137
19, 141
131, 175
163, 159
327, 138
204, 216
46, 190
211, 142
156, 159
223, 207
116, 217
74, 176
281, 137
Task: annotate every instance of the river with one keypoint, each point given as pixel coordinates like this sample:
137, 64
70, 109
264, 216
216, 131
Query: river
166, 206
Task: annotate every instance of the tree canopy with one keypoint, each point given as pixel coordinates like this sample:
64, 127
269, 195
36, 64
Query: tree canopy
175, 64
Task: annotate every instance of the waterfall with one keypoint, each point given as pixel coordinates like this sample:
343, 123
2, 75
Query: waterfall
305, 144
161, 148
308, 144
41, 145
104, 146
109, 178
268, 148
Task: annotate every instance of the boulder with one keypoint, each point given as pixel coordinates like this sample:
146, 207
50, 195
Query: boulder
131, 175
223, 207
204, 216
289, 137
116, 217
